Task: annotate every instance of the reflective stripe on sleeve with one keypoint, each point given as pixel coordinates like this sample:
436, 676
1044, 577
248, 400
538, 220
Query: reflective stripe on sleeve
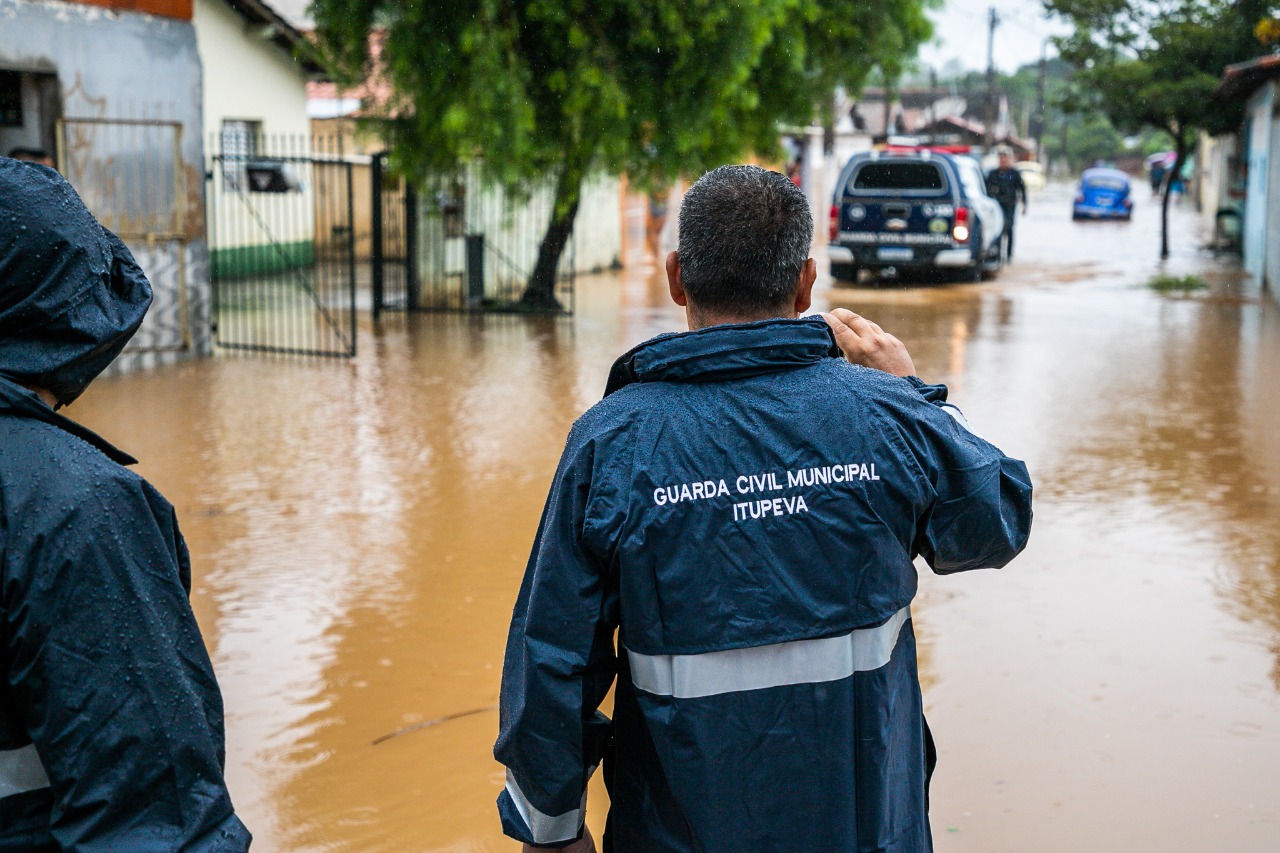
21, 771
959, 417
796, 662
545, 828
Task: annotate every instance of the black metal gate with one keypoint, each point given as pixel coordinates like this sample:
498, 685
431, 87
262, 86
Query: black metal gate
394, 240
282, 246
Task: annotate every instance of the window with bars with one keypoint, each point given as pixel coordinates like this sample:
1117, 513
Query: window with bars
240, 141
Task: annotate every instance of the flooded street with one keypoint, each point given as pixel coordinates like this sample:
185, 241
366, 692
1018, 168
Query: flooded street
359, 528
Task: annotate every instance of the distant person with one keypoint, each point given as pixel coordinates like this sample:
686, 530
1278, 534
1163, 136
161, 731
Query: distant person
1005, 185
744, 508
656, 221
33, 155
111, 730
1157, 177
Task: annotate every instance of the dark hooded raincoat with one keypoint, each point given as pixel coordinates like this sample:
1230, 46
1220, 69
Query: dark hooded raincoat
111, 733
745, 507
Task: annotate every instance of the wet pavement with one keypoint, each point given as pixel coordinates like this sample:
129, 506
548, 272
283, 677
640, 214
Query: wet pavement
359, 529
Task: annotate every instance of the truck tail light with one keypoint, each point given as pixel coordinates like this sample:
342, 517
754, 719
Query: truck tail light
960, 231
835, 222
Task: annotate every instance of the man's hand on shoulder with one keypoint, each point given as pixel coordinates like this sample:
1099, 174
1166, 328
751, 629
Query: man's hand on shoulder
865, 343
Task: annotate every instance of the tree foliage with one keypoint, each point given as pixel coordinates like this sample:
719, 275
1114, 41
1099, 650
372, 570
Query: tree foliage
652, 88
1156, 63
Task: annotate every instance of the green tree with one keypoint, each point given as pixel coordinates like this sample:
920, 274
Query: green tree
533, 89
1157, 64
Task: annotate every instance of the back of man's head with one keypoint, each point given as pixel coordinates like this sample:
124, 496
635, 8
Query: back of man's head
744, 237
71, 294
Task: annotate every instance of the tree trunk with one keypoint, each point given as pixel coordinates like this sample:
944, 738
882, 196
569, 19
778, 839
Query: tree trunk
540, 290
1174, 174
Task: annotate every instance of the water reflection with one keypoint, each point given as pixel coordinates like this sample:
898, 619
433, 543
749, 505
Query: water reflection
359, 530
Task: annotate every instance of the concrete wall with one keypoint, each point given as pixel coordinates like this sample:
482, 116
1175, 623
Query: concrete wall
1271, 264
111, 66
1259, 154
1213, 156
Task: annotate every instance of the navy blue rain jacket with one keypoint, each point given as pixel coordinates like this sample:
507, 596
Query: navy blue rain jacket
111, 733
745, 508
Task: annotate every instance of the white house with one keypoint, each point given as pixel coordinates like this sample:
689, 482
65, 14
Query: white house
1257, 82
257, 137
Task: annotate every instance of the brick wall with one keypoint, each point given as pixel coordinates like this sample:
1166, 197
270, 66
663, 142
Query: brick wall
179, 9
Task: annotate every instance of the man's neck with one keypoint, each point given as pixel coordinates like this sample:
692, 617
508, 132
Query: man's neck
698, 319
46, 396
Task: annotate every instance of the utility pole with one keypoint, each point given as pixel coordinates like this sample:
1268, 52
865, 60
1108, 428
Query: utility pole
1036, 130
993, 20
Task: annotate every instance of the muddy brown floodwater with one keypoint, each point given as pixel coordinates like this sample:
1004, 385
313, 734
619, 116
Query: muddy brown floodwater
359, 530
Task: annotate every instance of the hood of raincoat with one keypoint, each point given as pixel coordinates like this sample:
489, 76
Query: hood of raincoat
71, 294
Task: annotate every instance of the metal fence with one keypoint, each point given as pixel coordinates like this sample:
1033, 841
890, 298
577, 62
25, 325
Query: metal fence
478, 244
283, 245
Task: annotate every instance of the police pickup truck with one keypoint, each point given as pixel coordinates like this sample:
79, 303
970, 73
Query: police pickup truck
907, 211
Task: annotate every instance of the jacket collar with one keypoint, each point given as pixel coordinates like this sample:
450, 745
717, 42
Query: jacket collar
16, 400
730, 351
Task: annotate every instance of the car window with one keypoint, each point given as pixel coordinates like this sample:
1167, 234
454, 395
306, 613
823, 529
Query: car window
1106, 183
971, 178
898, 177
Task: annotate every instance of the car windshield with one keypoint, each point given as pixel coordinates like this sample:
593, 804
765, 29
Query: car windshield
899, 177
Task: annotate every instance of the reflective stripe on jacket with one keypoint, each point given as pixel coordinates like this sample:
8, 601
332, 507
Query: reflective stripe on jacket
746, 509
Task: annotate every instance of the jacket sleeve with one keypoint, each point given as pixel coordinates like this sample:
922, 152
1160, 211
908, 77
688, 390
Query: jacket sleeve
109, 674
559, 664
980, 516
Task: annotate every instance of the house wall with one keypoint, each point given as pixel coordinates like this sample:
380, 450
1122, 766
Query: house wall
1258, 132
1271, 240
250, 78
247, 77
128, 87
1213, 157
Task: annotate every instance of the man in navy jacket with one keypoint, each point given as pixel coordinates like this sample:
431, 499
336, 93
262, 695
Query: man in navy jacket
111, 732
744, 507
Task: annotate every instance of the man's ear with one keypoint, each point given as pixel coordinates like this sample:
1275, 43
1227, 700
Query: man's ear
678, 296
804, 287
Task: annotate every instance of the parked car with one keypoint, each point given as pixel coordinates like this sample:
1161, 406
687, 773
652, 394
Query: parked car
1032, 174
914, 211
1103, 194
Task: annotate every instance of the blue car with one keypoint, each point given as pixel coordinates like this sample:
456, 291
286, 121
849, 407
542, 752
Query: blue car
1103, 194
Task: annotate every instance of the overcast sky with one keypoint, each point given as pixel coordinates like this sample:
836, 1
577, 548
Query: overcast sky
960, 33
960, 29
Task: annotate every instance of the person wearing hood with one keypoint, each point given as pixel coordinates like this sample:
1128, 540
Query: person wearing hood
111, 722
744, 508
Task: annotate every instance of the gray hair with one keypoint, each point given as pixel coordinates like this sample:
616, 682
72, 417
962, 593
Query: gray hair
744, 237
